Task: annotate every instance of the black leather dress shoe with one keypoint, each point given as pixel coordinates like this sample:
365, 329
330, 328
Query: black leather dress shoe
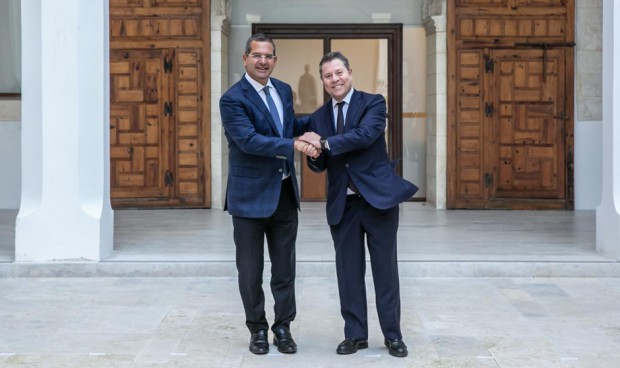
396, 348
350, 346
258, 342
284, 341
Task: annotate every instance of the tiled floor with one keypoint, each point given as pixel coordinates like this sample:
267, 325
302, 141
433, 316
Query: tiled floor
425, 234
198, 322
431, 243
194, 321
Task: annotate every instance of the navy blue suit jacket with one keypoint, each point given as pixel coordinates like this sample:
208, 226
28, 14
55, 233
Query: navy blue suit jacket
359, 153
256, 150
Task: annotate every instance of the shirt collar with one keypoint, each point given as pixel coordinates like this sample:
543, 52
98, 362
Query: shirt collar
346, 99
257, 86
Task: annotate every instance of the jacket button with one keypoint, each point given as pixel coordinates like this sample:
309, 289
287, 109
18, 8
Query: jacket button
346, 165
280, 170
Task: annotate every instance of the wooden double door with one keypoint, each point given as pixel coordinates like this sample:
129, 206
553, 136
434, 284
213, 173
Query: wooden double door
511, 111
159, 133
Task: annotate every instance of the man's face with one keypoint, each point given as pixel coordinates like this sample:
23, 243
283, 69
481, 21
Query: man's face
337, 79
260, 62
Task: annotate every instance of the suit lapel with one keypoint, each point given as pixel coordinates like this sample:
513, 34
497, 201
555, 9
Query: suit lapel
253, 96
287, 129
328, 117
354, 111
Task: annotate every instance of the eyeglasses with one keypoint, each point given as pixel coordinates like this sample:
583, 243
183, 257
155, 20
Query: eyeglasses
267, 57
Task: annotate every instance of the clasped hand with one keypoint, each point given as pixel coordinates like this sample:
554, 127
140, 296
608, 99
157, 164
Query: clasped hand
312, 138
303, 146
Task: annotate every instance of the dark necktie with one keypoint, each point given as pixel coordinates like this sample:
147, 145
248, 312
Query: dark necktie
274, 114
340, 119
340, 130
273, 110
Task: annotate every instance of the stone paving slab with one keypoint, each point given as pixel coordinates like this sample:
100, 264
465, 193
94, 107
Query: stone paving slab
137, 322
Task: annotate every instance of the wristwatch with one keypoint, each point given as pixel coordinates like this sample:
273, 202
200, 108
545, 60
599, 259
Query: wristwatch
323, 142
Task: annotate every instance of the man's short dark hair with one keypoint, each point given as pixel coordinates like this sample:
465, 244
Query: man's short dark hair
332, 56
258, 37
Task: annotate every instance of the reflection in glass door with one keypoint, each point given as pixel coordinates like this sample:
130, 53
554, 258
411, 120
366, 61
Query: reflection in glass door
298, 61
368, 62
375, 53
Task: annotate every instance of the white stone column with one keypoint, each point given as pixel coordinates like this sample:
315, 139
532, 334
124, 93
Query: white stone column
434, 15
220, 31
65, 212
608, 212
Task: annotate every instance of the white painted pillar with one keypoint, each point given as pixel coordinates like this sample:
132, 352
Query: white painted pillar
220, 31
608, 212
435, 23
65, 212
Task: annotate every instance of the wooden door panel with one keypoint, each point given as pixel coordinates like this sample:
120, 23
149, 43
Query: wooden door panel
153, 3
313, 185
510, 137
482, 2
173, 27
139, 154
469, 134
189, 135
542, 3
512, 3
170, 3
126, 3
527, 147
510, 91
160, 139
494, 21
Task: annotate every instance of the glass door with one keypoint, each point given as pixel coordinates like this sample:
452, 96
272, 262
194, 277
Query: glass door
299, 68
375, 55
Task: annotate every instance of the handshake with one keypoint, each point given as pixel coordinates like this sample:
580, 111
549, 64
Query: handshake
309, 144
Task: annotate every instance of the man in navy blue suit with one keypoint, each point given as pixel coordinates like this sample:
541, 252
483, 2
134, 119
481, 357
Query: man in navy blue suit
262, 194
363, 196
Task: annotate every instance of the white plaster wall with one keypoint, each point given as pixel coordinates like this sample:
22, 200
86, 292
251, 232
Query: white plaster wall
10, 153
323, 11
219, 84
588, 164
244, 12
10, 164
588, 103
10, 109
608, 212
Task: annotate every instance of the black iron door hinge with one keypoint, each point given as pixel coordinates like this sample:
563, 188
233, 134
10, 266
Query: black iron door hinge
168, 178
168, 63
168, 109
488, 180
489, 64
488, 110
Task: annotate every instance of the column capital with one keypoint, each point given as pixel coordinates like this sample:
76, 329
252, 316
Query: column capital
432, 8
221, 15
434, 16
